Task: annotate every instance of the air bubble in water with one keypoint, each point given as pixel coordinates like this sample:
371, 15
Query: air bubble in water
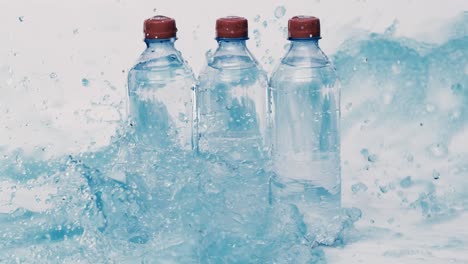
257, 18
280, 11
53, 75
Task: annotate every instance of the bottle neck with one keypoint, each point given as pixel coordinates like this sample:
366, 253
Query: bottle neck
232, 54
159, 53
304, 45
160, 43
305, 53
231, 44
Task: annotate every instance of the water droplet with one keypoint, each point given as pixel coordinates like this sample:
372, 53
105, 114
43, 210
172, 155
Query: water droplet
435, 175
257, 18
257, 38
53, 75
372, 158
349, 106
21, 18
265, 24
353, 213
383, 189
85, 82
359, 187
75, 31
365, 152
280, 11
209, 56
406, 182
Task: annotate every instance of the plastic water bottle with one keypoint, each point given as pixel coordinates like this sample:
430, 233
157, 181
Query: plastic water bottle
231, 100
231, 97
305, 106
160, 88
143, 182
161, 111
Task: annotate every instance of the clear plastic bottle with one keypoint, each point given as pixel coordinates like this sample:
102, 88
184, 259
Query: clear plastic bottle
160, 88
143, 185
231, 97
305, 106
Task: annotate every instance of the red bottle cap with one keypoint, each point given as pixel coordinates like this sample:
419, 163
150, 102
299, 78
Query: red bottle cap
304, 27
232, 27
160, 27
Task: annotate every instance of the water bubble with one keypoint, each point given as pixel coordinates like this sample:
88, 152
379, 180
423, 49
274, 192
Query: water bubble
406, 182
85, 82
358, 187
280, 11
53, 75
435, 175
265, 24
257, 18
76, 31
21, 18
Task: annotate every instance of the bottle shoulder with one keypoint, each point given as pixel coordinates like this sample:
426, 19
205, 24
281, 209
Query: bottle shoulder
286, 73
154, 59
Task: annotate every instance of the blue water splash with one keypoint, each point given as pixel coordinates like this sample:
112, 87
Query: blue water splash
109, 206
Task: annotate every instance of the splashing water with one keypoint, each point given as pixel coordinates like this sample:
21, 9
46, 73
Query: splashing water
120, 204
